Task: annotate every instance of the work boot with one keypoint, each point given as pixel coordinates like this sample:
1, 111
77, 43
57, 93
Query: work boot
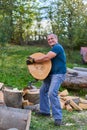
58, 123
38, 113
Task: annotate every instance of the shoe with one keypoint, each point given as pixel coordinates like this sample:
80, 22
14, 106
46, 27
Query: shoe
59, 123
38, 113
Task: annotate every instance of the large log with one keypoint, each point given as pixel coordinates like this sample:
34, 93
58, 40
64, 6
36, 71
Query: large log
76, 72
75, 79
80, 69
14, 118
32, 96
12, 98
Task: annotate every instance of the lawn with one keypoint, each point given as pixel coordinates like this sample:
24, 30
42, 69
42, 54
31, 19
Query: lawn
14, 73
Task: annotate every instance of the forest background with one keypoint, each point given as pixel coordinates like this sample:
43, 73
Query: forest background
25, 22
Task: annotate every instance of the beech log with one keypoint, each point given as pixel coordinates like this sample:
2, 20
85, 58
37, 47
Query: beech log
32, 96
76, 80
80, 69
12, 98
14, 118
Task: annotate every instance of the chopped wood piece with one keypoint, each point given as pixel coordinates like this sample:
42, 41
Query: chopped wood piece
26, 103
75, 106
26, 91
68, 97
83, 106
64, 93
68, 108
76, 100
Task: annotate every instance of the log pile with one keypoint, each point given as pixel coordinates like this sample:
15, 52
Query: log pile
30, 100
68, 102
76, 79
71, 103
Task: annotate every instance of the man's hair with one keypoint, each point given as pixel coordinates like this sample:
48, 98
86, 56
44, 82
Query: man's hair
53, 35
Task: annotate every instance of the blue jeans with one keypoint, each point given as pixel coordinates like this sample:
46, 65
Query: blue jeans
49, 95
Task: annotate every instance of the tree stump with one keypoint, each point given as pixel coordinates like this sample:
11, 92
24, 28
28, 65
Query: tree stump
13, 98
14, 118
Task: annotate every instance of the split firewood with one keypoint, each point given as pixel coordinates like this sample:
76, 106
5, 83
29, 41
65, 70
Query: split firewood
63, 93
83, 105
26, 91
68, 97
68, 108
75, 100
26, 103
75, 106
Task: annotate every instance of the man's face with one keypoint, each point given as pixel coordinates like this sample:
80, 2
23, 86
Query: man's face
52, 40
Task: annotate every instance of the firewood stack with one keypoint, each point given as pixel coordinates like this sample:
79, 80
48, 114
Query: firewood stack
71, 103
68, 102
30, 98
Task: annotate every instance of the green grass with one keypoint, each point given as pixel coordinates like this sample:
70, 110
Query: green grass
14, 73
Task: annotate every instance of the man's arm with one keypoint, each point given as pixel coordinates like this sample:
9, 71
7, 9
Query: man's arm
46, 57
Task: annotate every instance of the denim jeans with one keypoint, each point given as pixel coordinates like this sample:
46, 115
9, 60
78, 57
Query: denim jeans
49, 95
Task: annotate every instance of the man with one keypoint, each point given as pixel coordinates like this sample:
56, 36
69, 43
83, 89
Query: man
52, 83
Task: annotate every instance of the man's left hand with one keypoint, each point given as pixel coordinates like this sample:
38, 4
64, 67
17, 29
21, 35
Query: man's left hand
30, 61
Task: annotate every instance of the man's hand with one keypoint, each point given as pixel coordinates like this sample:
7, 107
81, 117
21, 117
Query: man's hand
30, 61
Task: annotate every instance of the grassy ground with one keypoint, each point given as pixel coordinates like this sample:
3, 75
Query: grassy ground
14, 73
